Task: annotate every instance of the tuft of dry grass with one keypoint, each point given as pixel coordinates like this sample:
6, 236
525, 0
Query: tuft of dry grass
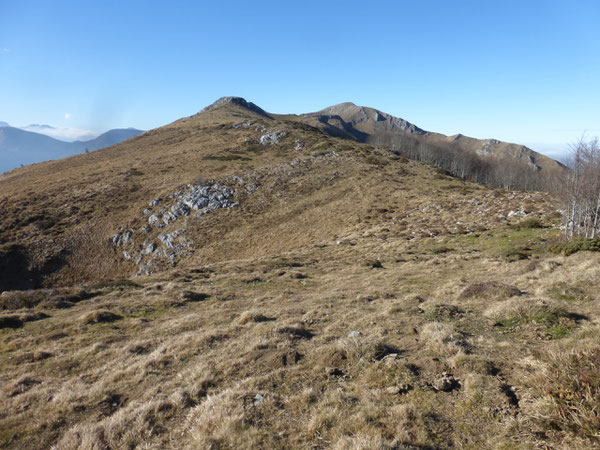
252, 316
490, 289
100, 316
445, 339
568, 393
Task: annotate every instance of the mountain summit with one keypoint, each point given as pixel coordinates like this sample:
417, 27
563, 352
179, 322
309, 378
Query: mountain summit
236, 101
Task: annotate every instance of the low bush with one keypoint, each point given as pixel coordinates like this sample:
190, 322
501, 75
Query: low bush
529, 223
572, 246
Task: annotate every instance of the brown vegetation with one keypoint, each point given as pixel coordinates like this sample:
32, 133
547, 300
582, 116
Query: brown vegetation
344, 304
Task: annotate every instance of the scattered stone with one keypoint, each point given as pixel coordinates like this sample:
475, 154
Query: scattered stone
516, 213
242, 125
148, 249
121, 238
299, 145
390, 360
354, 334
153, 219
126, 237
401, 389
445, 383
144, 270
273, 137
196, 199
258, 399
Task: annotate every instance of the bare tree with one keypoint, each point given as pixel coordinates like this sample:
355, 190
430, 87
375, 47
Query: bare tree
582, 190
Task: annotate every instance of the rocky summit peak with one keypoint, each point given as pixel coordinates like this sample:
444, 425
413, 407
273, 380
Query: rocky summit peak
239, 101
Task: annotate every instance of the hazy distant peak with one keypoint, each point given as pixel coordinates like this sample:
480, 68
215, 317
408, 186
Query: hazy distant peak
4, 124
62, 134
239, 101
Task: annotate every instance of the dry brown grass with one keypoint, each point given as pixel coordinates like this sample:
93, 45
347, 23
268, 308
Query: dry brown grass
233, 349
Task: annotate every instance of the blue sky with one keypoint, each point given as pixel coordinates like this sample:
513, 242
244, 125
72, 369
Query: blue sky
520, 71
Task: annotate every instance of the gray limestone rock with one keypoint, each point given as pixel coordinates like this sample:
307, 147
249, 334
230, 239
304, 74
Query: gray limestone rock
153, 219
273, 137
148, 249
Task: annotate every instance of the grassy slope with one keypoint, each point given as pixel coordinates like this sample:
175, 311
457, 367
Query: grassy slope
477, 313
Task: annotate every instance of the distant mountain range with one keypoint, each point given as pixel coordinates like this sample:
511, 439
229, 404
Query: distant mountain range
369, 125
22, 147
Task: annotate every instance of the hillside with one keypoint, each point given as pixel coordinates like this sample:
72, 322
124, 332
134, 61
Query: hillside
378, 128
240, 279
20, 147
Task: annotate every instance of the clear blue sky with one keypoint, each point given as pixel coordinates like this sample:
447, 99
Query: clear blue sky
522, 71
